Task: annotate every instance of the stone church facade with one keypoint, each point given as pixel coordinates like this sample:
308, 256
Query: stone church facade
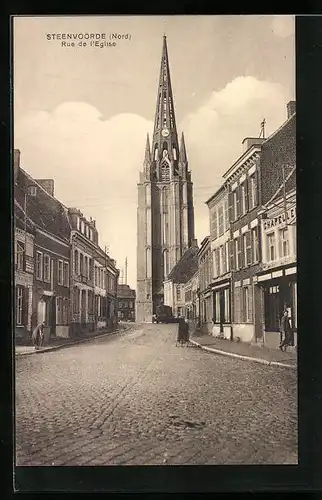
165, 215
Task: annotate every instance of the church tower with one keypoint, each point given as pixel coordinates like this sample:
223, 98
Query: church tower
165, 215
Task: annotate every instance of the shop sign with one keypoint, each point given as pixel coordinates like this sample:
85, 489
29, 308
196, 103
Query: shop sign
289, 217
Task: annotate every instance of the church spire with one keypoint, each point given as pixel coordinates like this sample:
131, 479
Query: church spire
147, 158
147, 155
165, 135
183, 153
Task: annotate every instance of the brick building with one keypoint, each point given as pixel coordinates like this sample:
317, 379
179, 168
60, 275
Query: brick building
205, 265
93, 278
191, 298
126, 303
51, 252
220, 246
23, 273
174, 286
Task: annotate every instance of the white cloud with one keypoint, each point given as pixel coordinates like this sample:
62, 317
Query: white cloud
96, 162
283, 26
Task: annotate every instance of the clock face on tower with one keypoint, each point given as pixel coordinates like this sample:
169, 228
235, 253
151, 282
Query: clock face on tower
165, 132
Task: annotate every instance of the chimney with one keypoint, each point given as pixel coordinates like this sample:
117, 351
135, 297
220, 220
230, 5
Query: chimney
16, 164
48, 185
248, 142
291, 109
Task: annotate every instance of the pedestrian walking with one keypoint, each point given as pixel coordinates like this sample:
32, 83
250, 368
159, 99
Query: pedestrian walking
38, 335
183, 332
286, 331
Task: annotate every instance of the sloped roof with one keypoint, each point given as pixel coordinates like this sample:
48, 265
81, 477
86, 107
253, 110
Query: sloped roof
19, 220
124, 291
44, 210
186, 267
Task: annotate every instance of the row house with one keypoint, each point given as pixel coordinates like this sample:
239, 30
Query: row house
23, 273
222, 253
237, 237
205, 265
62, 277
191, 298
181, 273
51, 252
242, 182
126, 302
93, 277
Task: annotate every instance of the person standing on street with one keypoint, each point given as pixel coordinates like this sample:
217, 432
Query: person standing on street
38, 335
286, 330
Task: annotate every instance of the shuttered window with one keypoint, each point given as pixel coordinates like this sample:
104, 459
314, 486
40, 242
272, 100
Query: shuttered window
19, 305
237, 305
247, 309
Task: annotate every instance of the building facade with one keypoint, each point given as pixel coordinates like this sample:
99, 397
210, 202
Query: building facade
221, 249
51, 252
23, 274
126, 303
165, 216
93, 278
174, 286
191, 294
205, 265
277, 280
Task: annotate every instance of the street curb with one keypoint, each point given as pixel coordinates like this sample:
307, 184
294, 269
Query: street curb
62, 346
245, 358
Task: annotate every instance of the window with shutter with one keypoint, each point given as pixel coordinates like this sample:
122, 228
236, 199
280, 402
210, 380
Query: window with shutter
239, 253
230, 207
242, 199
227, 305
226, 215
250, 303
235, 205
214, 226
231, 247
248, 248
246, 184
25, 302
218, 261
237, 308
20, 255
19, 302
221, 220
238, 196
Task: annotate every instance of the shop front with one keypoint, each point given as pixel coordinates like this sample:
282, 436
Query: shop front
222, 310
279, 291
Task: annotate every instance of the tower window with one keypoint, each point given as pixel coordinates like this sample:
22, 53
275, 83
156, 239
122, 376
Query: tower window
156, 152
165, 171
174, 153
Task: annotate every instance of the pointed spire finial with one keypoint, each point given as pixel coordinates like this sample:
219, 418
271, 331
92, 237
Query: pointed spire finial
183, 152
147, 155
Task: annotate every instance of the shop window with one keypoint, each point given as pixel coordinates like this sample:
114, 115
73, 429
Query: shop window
19, 305
247, 309
227, 305
217, 307
237, 305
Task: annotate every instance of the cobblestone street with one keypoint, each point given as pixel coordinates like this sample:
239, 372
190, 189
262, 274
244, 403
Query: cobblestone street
136, 399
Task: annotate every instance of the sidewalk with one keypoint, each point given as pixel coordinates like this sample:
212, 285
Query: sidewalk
250, 352
58, 343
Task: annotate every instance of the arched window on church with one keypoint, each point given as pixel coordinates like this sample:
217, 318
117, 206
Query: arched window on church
174, 152
156, 152
165, 263
148, 263
165, 171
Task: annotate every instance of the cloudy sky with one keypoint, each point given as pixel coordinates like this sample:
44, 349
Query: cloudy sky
81, 114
